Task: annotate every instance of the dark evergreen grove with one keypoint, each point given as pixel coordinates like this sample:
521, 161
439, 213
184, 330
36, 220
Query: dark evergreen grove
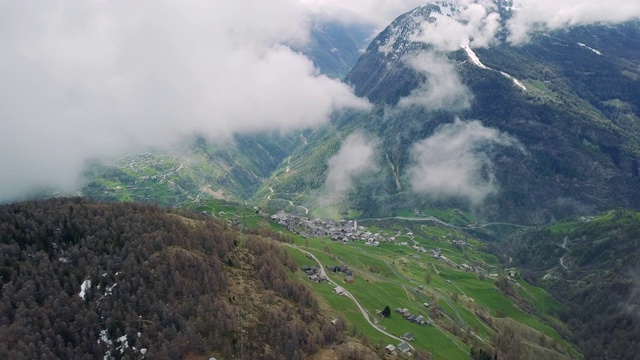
163, 285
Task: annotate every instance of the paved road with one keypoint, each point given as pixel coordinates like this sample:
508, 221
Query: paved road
564, 246
461, 320
435, 219
349, 295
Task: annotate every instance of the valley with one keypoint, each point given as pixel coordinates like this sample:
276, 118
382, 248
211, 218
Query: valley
462, 294
321, 180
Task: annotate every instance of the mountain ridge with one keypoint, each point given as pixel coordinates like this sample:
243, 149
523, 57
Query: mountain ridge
567, 130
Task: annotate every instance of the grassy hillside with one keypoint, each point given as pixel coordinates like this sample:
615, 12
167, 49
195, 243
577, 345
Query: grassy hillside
479, 307
591, 265
576, 123
81, 279
231, 171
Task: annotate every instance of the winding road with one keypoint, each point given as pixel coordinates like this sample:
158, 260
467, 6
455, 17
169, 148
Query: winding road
460, 319
564, 246
271, 191
349, 295
436, 220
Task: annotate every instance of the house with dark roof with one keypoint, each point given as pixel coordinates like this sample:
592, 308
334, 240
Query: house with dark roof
404, 347
408, 336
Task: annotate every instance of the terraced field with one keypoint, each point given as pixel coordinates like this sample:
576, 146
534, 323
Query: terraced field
471, 297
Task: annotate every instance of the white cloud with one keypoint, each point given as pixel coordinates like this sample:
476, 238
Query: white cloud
378, 12
480, 22
355, 157
455, 161
442, 89
474, 24
532, 15
83, 79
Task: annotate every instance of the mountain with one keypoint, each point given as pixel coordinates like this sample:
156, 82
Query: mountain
568, 101
557, 118
231, 170
590, 264
334, 45
82, 279
531, 134
234, 169
125, 280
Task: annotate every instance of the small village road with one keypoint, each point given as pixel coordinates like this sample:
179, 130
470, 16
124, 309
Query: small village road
436, 220
349, 295
461, 320
564, 246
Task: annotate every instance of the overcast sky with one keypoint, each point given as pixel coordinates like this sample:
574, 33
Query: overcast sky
81, 79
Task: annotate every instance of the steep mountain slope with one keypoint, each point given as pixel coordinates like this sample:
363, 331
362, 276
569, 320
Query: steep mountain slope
232, 170
568, 99
334, 46
590, 265
559, 114
81, 279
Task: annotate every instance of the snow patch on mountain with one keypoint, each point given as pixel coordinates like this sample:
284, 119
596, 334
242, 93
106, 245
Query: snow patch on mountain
474, 22
397, 40
515, 81
86, 285
476, 60
590, 48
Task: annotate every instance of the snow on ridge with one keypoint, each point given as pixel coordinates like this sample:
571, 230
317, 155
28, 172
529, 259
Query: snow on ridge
125, 343
476, 60
86, 285
109, 289
590, 48
445, 9
515, 81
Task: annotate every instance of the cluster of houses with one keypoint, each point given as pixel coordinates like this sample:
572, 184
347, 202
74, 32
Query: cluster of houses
344, 231
437, 254
344, 269
418, 248
138, 162
418, 319
314, 273
402, 347
460, 243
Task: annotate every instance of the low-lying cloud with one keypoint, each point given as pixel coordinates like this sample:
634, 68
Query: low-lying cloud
535, 15
442, 89
380, 13
455, 161
471, 23
480, 21
355, 157
84, 79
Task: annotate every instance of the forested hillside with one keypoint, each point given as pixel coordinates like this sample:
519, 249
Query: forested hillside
591, 265
571, 116
81, 279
